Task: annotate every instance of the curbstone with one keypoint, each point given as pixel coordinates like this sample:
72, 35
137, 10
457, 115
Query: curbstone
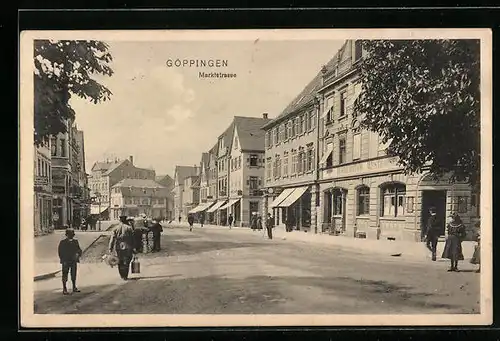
55, 273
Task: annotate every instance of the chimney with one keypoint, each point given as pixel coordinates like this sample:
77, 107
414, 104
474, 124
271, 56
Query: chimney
131, 159
264, 115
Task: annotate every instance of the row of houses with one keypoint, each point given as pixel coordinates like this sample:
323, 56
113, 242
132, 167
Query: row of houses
61, 194
314, 168
118, 187
229, 179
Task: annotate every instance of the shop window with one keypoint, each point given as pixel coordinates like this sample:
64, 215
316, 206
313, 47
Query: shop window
363, 201
338, 206
393, 203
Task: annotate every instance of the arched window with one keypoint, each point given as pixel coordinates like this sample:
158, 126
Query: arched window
338, 206
363, 200
393, 200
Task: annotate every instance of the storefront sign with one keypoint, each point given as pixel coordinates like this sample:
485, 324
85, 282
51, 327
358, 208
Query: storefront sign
41, 181
361, 168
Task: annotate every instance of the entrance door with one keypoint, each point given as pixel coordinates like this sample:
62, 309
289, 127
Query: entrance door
436, 199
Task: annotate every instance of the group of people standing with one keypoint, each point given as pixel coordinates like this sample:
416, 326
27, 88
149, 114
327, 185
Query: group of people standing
456, 233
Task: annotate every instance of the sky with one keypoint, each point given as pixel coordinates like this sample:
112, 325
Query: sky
167, 116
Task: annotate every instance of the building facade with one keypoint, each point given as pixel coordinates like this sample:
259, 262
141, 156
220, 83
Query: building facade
246, 169
291, 173
133, 197
62, 181
42, 189
181, 173
191, 192
167, 182
327, 174
363, 190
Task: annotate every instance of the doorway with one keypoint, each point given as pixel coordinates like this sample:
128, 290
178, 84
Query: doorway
436, 199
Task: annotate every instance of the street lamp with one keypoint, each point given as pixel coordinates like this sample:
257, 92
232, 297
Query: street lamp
98, 195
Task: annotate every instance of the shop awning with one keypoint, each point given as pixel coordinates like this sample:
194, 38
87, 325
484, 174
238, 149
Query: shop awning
296, 194
229, 204
216, 206
94, 209
201, 207
286, 192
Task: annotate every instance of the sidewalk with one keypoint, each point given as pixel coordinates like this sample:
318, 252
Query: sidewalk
403, 249
46, 258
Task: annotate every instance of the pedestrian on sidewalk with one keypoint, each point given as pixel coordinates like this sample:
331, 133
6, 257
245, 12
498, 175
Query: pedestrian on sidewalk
433, 232
476, 257
179, 219
69, 255
190, 222
289, 222
202, 218
230, 220
253, 221
121, 242
259, 222
270, 225
157, 230
453, 247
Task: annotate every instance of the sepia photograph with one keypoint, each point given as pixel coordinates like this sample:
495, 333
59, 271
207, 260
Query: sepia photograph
255, 178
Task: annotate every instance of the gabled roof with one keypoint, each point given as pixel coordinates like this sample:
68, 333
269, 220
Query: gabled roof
143, 183
250, 134
115, 165
182, 172
101, 166
307, 95
165, 180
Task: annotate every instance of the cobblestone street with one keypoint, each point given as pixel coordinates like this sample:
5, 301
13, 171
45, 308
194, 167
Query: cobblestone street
217, 271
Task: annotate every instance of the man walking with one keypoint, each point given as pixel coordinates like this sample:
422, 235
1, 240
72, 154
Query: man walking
202, 219
69, 255
122, 241
190, 222
433, 232
230, 220
270, 225
157, 230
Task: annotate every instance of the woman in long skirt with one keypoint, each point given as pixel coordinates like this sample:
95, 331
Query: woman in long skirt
476, 257
453, 247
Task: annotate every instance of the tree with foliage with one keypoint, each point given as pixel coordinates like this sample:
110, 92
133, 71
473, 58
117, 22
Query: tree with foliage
423, 98
63, 68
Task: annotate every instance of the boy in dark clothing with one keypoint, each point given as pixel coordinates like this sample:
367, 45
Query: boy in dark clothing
433, 231
69, 255
157, 229
190, 221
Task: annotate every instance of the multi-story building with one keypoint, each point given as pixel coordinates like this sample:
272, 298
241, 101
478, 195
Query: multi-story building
246, 169
82, 176
167, 182
132, 197
42, 189
104, 175
291, 175
205, 195
62, 156
363, 190
181, 173
191, 192
222, 162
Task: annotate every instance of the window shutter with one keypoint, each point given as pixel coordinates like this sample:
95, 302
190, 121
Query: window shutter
260, 181
248, 181
248, 161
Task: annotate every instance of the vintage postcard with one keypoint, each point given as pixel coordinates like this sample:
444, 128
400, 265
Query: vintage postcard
314, 177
